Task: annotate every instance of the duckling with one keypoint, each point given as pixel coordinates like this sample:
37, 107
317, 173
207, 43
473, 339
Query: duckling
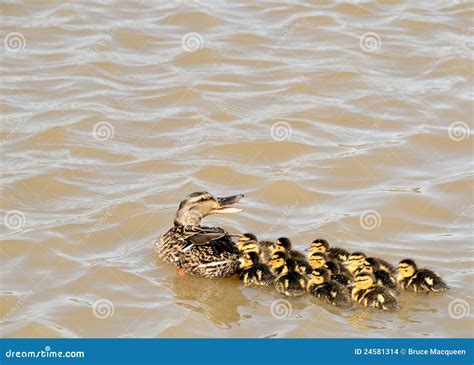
284, 244
355, 260
382, 277
277, 262
333, 253
317, 260
321, 286
381, 264
338, 273
248, 243
371, 295
419, 280
290, 282
252, 272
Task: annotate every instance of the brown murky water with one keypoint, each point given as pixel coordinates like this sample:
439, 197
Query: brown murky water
338, 120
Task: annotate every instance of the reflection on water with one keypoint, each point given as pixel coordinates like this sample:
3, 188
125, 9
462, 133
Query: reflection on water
346, 121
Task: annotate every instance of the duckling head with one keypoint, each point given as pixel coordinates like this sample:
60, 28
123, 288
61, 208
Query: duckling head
407, 268
363, 281
332, 267
317, 260
282, 244
248, 259
249, 246
278, 259
355, 260
364, 268
247, 237
318, 277
290, 266
198, 205
319, 245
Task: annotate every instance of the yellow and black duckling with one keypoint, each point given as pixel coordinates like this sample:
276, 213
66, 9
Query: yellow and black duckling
200, 250
382, 277
321, 286
371, 295
252, 272
381, 264
290, 282
284, 244
333, 253
419, 280
355, 260
339, 273
248, 243
277, 262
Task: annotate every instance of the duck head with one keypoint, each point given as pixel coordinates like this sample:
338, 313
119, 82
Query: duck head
201, 204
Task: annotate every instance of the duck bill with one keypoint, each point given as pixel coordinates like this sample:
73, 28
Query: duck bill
226, 205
